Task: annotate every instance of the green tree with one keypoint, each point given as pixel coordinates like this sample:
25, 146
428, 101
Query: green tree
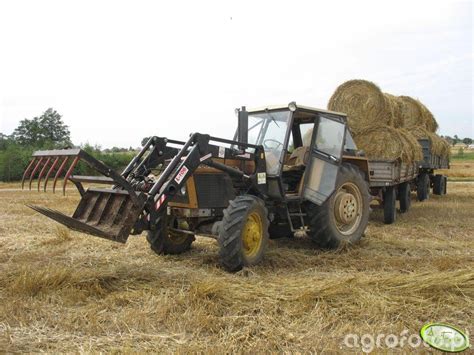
46, 131
456, 140
4, 141
13, 161
467, 141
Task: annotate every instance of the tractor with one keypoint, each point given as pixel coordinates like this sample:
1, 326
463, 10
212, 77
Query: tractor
288, 170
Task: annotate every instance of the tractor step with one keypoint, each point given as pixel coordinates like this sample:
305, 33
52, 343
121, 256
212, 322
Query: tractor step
109, 214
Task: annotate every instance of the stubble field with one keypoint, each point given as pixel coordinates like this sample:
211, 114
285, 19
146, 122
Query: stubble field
65, 291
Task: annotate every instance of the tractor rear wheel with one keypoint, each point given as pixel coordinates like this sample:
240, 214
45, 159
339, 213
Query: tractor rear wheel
165, 241
404, 195
243, 234
423, 187
344, 216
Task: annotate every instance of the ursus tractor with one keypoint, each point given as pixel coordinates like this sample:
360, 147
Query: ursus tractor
289, 169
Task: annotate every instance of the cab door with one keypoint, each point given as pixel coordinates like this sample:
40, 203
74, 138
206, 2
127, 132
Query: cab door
327, 144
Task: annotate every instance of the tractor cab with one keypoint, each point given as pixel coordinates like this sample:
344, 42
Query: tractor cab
303, 148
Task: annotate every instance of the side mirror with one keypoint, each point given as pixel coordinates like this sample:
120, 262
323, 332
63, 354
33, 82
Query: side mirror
243, 128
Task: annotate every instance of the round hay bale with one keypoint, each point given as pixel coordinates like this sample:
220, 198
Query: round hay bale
411, 112
384, 142
395, 105
363, 102
446, 150
437, 143
428, 118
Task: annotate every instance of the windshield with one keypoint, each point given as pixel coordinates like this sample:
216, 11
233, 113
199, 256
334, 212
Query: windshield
269, 129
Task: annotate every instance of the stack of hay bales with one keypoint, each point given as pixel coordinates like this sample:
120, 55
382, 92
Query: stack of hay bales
386, 126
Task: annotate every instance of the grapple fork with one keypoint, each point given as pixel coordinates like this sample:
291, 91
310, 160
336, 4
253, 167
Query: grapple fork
46, 161
109, 213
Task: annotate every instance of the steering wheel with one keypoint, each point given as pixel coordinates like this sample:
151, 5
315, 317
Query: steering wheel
273, 141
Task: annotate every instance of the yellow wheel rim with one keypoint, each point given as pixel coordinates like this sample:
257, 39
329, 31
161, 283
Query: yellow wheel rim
176, 237
252, 235
348, 208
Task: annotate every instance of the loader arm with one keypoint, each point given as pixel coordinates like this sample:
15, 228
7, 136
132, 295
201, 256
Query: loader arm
135, 200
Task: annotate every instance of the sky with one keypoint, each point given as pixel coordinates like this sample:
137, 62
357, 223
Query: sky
118, 71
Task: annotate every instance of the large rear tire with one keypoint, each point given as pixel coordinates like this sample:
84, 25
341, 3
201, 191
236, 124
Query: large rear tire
423, 187
163, 241
243, 234
343, 218
404, 196
389, 205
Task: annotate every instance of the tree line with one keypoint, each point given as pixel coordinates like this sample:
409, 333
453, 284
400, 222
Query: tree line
456, 140
44, 132
48, 131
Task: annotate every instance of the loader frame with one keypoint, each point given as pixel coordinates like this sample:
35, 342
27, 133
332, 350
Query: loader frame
133, 179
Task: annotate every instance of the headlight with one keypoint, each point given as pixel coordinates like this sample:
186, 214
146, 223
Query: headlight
183, 190
292, 106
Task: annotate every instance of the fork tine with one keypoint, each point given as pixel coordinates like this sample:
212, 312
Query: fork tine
42, 172
49, 172
58, 173
69, 172
34, 171
27, 171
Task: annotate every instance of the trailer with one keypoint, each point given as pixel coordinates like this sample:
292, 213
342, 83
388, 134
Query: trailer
427, 178
389, 181
392, 180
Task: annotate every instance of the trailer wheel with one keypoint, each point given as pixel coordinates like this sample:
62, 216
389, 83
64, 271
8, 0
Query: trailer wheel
344, 216
438, 185
423, 187
404, 195
163, 241
389, 205
243, 234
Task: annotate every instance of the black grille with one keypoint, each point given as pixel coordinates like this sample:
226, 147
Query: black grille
213, 190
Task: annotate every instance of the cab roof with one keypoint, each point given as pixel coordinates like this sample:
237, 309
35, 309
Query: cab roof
300, 108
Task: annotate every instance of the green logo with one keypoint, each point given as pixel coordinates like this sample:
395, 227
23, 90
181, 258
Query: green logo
444, 337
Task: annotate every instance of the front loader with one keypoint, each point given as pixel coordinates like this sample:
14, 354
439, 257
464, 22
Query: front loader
269, 181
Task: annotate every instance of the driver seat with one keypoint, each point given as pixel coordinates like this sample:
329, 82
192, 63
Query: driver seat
298, 159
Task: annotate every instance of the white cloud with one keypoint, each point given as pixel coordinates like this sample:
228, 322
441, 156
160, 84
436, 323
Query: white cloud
121, 70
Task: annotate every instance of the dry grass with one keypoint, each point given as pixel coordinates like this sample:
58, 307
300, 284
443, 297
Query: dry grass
63, 291
459, 170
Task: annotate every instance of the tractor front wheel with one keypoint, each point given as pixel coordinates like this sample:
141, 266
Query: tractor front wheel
243, 234
164, 240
